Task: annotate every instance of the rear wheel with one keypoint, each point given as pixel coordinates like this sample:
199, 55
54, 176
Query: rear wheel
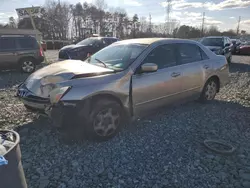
105, 119
209, 91
28, 65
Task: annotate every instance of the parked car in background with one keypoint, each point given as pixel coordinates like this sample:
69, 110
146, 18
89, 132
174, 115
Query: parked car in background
244, 49
85, 48
21, 52
124, 80
44, 45
236, 45
219, 45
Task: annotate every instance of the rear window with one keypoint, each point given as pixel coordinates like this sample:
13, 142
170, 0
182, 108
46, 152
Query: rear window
26, 43
212, 41
109, 41
89, 41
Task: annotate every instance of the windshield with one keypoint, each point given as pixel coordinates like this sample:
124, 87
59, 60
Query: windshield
212, 41
89, 41
117, 57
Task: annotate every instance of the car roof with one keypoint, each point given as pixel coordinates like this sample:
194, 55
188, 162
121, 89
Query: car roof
149, 41
215, 37
99, 38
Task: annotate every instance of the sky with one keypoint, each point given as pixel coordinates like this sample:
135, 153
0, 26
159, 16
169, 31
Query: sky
224, 14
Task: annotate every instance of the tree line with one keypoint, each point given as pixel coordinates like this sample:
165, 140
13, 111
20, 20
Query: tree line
62, 21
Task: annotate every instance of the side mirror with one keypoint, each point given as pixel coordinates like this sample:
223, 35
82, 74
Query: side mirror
149, 67
226, 45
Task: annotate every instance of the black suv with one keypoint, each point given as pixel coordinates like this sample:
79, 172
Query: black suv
85, 48
20, 51
219, 45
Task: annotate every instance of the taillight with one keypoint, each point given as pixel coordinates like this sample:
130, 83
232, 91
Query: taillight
41, 51
88, 54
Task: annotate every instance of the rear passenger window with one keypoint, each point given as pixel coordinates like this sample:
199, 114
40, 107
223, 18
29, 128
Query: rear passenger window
189, 53
203, 55
7, 43
26, 43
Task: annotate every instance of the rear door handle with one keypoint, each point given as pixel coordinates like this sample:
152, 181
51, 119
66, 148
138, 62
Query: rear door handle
175, 74
206, 66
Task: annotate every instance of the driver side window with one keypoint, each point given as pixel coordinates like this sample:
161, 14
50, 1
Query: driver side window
163, 56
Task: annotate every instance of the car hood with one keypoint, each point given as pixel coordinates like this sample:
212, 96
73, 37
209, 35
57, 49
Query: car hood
73, 46
73, 67
214, 48
66, 69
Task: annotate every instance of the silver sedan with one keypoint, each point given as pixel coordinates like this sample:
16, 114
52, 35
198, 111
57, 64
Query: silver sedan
122, 81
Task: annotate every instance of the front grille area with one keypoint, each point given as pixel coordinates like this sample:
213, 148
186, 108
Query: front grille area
63, 55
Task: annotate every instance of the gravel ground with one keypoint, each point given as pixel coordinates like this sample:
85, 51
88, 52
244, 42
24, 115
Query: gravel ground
163, 150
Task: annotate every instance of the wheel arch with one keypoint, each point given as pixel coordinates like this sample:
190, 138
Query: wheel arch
26, 57
89, 103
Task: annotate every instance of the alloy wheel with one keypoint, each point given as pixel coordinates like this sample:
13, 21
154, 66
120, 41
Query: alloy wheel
211, 90
106, 122
28, 66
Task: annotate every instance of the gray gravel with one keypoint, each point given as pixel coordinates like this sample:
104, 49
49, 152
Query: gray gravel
163, 150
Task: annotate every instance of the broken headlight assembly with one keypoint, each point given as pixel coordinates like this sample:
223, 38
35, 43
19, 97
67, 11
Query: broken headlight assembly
48, 84
58, 93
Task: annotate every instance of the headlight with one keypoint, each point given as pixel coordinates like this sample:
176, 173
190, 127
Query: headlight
218, 52
46, 89
57, 94
51, 80
48, 83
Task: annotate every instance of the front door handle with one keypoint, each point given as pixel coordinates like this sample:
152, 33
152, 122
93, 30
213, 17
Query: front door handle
175, 74
206, 66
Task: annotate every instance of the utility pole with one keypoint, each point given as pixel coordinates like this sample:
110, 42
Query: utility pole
238, 27
150, 26
202, 25
168, 11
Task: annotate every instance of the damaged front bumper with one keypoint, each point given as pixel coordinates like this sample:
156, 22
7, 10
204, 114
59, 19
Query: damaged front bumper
63, 115
34, 102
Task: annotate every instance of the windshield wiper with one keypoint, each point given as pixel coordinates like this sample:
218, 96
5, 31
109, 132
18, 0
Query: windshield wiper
101, 62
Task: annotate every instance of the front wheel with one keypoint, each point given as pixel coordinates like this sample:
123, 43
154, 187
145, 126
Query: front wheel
209, 91
105, 119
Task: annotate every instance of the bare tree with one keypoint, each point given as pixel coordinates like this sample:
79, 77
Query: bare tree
213, 30
12, 23
100, 4
144, 24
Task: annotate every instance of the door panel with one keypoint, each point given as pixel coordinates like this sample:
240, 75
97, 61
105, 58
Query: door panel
153, 90
191, 66
192, 79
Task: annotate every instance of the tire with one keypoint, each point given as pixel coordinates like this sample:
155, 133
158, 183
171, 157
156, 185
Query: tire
209, 91
27, 65
100, 127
